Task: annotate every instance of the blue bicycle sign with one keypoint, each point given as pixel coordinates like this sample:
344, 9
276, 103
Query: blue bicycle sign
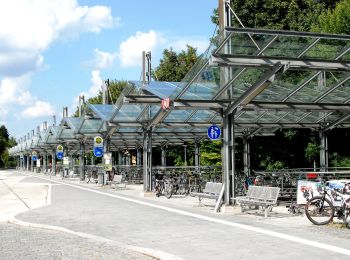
214, 132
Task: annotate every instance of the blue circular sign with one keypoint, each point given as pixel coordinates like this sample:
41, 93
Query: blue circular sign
59, 155
214, 132
34, 158
98, 151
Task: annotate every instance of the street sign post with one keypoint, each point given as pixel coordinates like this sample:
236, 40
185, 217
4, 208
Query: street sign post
98, 146
214, 132
59, 152
34, 156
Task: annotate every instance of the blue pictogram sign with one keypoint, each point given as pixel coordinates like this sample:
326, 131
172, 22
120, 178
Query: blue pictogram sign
59, 155
98, 151
214, 132
34, 158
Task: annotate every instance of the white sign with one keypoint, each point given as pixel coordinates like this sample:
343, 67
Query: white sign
65, 160
108, 158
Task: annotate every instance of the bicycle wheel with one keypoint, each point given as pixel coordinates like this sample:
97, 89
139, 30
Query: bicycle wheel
319, 210
87, 179
168, 189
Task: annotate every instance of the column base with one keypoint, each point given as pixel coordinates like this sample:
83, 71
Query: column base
148, 194
230, 209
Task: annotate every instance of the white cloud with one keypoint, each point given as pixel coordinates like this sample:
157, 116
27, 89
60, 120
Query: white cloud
96, 87
13, 91
15, 96
130, 51
103, 59
28, 27
39, 109
180, 44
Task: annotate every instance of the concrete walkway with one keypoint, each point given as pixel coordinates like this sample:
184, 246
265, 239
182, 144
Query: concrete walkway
181, 228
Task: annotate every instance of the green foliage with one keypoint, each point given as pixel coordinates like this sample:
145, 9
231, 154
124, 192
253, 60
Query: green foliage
210, 153
298, 15
269, 165
312, 150
335, 21
115, 89
174, 66
339, 161
5, 143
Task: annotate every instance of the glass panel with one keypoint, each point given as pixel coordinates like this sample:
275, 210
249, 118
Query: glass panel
178, 115
202, 116
339, 95
245, 81
73, 122
326, 49
154, 110
346, 56
283, 85
243, 44
105, 112
288, 46
91, 126
128, 112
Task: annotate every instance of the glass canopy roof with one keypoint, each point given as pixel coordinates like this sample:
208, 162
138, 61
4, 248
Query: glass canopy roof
267, 79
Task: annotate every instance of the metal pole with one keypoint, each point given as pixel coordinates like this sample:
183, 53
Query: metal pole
246, 156
185, 154
196, 154
150, 160
323, 151
82, 160
163, 150
53, 170
226, 157
145, 163
233, 164
138, 156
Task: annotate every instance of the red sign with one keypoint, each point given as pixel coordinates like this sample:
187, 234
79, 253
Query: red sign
311, 175
166, 103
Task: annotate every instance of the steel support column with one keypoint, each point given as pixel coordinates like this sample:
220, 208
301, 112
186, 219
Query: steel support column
149, 160
246, 156
323, 151
82, 161
28, 162
228, 158
53, 170
31, 164
138, 156
196, 154
45, 162
145, 161
163, 155
120, 157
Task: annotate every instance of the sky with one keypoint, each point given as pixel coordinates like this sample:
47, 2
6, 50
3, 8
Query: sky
52, 51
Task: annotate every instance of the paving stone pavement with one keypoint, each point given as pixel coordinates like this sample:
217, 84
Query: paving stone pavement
18, 242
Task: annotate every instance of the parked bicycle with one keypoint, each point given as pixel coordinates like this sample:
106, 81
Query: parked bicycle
321, 209
91, 176
176, 185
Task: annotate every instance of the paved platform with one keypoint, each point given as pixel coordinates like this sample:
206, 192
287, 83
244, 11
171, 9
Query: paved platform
180, 227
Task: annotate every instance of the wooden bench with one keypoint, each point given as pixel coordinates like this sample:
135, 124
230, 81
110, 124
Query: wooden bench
117, 182
211, 191
262, 196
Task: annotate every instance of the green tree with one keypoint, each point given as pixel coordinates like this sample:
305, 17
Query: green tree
5, 143
174, 66
297, 15
335, 20
115, 89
